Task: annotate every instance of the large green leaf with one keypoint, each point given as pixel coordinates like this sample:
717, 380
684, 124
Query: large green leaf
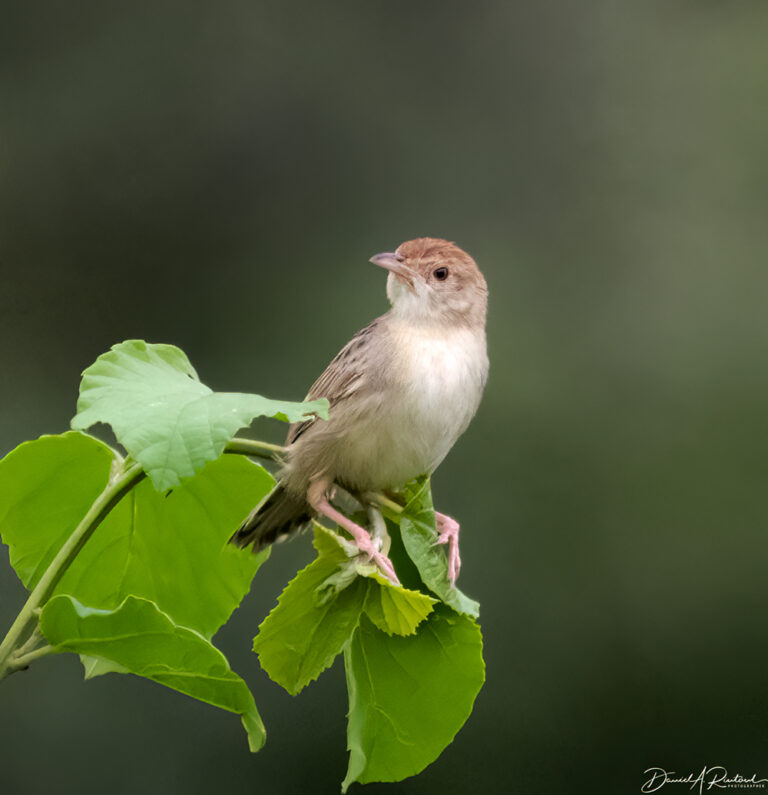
171, 549
417, 529
169, 421
137, 637
320, 608
408, 696
46, 487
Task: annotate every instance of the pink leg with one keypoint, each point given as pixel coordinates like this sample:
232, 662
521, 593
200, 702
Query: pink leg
365, 543
449, 534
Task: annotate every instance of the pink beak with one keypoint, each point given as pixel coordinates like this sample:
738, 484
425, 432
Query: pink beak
393, 262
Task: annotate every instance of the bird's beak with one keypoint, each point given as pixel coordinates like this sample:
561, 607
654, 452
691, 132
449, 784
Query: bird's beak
394, 263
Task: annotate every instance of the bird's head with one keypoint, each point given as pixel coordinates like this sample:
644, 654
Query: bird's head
433, 281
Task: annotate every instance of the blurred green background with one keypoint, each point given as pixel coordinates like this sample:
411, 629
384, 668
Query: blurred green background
216, 175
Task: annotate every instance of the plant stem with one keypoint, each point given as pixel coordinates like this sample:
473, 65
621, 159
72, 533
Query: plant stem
104, 503
253, 447
23, 660
385, 502
31, 642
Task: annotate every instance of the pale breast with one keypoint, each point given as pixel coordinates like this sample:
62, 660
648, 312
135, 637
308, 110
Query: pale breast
437, 382
446, 373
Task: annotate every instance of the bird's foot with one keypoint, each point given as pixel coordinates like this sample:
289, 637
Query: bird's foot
449, 534
367, 545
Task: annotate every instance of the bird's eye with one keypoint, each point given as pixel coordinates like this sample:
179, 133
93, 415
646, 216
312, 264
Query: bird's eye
441, 274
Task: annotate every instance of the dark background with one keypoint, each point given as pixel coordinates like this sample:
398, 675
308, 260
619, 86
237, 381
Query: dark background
216, 175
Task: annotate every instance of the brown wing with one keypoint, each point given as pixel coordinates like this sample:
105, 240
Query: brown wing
341, 379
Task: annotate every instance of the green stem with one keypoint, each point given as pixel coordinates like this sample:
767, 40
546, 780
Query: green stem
23, 660
32, 641
253, 447
108, 498
385, 502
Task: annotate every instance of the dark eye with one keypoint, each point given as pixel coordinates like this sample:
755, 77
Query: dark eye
441, 274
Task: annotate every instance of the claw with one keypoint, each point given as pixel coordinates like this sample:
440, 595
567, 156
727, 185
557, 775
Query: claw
449, 534
367, 545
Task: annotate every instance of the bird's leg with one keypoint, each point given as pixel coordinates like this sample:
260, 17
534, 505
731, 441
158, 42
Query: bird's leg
449, 534
317, 498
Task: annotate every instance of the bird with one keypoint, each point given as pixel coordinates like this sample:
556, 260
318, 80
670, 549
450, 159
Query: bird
400, 392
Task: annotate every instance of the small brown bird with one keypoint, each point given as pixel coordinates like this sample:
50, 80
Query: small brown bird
401, 392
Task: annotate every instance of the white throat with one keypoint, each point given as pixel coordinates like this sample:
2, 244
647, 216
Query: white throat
410, 304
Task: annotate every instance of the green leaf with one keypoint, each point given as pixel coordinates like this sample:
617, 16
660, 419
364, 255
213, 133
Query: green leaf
320, 608
139, 638
408, 696
46, 487
396, 611
417, 529
162, 414
98, 666
171, 549
302, 636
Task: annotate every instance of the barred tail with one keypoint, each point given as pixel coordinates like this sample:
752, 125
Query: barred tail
278, 516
